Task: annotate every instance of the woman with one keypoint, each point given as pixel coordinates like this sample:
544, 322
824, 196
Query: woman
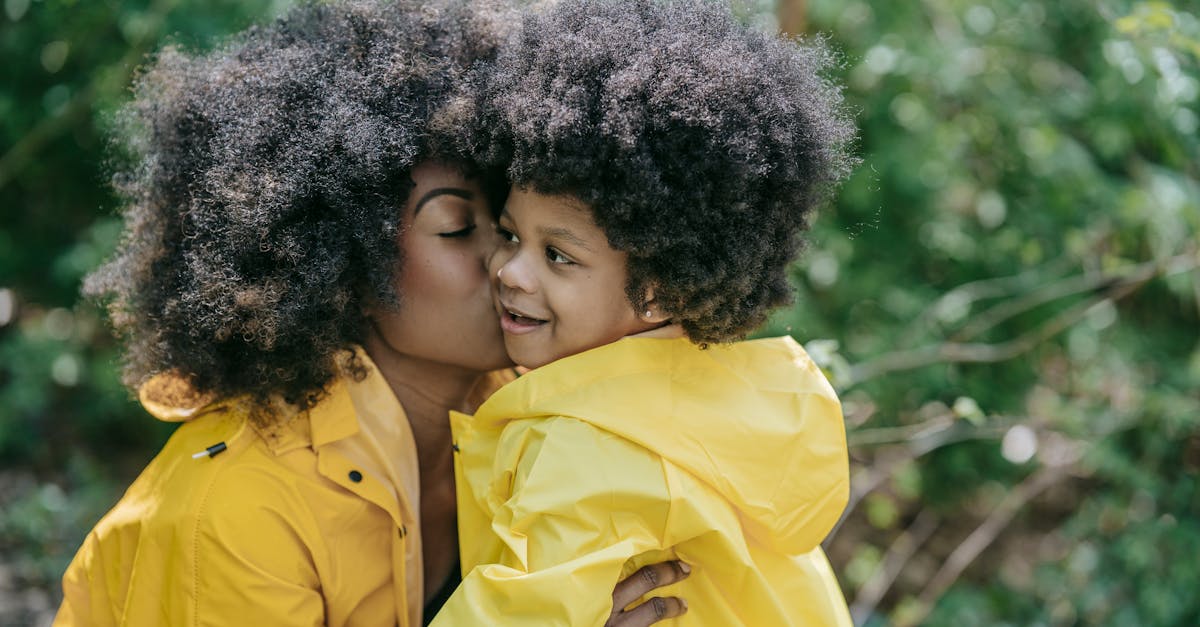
302, 284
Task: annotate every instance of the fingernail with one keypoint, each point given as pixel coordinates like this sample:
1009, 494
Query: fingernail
687, 570
683, 602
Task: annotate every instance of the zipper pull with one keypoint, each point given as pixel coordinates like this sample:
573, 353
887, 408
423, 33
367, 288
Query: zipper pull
211, 451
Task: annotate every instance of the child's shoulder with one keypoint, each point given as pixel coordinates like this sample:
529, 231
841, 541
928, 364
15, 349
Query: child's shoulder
571, 436
557, 453
773, 363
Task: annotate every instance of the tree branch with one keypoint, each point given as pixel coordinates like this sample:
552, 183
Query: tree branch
792, 16
982, 537
995, 287
1118, 287
933, 434
898, 554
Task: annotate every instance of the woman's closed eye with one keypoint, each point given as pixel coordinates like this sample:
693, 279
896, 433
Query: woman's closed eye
463, 232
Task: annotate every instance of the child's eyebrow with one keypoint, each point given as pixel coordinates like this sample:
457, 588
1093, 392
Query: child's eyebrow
564, 234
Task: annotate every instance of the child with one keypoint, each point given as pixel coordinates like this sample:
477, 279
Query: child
664, 159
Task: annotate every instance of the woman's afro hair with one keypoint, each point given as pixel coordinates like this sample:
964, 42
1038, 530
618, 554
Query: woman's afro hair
261, 186
700, 144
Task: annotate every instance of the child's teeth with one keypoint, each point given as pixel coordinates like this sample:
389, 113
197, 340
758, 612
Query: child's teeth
524, 319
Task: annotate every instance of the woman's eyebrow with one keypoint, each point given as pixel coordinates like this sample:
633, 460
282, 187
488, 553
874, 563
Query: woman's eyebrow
433, 193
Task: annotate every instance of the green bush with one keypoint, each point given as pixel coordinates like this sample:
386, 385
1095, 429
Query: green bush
1010, 284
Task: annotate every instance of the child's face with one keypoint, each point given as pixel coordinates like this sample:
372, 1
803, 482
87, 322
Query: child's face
558, 286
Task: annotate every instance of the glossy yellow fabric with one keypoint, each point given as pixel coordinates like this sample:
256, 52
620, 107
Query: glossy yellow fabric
275, 530
731, 458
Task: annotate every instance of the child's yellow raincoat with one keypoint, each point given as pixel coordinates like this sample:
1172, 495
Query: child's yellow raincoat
588, 468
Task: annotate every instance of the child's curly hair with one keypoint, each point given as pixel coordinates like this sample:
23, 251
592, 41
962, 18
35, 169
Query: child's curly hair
262, 189
701, 145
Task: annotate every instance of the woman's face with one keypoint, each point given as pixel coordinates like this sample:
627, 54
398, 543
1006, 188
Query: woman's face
446, 315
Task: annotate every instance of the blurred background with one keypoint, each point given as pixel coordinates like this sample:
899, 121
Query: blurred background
1006, 295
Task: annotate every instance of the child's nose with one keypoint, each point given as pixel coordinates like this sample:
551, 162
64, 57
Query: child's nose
514, 274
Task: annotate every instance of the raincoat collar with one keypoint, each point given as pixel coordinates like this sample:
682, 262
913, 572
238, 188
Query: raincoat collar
170, 398
751, 360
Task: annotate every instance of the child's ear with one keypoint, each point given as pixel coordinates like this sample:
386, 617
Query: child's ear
650, 311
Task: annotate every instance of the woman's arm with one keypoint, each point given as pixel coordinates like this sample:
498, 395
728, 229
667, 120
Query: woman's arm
235, 563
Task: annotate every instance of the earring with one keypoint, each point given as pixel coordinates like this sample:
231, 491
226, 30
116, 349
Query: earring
649, 314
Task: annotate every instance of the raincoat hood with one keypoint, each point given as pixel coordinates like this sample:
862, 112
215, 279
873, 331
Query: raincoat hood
757, 421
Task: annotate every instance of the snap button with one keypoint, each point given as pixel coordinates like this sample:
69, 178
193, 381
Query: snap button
355, 476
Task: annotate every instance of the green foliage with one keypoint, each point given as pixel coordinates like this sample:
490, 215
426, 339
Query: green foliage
1011, 285
42, 526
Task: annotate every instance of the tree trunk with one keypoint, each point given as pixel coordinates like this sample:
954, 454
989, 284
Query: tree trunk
791, 14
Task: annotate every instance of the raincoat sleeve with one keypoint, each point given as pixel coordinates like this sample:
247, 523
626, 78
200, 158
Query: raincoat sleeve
582, 503
82, 593
253, 568
230, 563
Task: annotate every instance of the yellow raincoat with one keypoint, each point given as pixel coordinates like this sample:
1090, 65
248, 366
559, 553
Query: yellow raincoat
305, 524
732, 458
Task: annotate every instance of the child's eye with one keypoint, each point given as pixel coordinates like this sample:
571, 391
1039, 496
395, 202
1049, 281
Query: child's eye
463, 232
507, 235
557, 257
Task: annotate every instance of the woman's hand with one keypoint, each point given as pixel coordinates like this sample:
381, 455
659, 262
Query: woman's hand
641, 582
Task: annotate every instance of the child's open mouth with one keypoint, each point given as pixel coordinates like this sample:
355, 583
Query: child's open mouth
515, 322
